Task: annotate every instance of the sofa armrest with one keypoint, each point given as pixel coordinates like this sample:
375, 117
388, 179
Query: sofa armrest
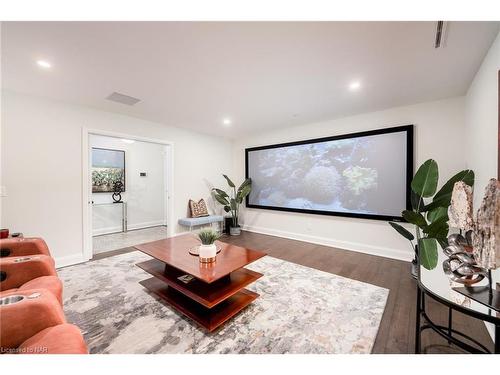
35, 310
60, 339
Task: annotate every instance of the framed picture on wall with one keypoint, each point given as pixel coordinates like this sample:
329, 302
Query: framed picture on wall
108, 166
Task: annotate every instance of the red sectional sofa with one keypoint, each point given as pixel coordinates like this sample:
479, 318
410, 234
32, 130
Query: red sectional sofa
32, 320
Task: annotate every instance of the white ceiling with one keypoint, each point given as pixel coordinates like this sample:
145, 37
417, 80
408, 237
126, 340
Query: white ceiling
262, 75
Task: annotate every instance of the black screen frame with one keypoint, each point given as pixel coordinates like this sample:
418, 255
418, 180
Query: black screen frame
409, 129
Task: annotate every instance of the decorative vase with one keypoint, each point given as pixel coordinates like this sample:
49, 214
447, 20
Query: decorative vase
208, 253
234, 231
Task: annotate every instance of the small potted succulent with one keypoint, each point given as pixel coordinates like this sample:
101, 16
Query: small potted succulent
208, 249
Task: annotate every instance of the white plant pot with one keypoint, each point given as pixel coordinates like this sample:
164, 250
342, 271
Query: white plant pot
208, 253
235, 231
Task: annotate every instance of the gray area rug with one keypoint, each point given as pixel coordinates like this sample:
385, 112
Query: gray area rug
300, 310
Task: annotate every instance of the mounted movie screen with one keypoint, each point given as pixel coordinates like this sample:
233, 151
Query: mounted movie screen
358, 175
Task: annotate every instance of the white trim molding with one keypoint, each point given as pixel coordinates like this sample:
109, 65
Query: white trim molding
344, 245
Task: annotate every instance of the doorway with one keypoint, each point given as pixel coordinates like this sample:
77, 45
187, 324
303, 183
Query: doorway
127, 192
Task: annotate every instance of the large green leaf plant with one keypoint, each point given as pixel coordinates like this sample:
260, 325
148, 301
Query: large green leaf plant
429, 213
232, 201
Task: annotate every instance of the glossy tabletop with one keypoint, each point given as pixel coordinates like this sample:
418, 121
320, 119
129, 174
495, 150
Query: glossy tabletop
436, 282
174, 252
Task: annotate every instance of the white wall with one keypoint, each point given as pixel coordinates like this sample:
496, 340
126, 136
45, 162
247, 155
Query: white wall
42, 166
481, 128
144, 196
439, 135
481, 121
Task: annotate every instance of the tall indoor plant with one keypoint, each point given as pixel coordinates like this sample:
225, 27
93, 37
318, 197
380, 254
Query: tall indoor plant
429, 213
232, 201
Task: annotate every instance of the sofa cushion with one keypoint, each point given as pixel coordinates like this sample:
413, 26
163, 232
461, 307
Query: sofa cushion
194, 221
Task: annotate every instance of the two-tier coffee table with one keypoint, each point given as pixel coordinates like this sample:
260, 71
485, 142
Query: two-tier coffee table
208, 293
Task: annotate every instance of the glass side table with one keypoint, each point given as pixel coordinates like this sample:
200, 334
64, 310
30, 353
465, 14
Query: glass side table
436, 285
124, 211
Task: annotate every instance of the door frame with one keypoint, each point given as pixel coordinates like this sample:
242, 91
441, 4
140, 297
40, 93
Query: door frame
87, 182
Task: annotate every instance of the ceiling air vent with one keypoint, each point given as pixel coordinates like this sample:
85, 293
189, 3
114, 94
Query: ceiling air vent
441, 33
123, 99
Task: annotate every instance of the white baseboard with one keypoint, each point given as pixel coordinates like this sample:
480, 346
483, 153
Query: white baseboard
147, 224
345, 245
69, 260
118, 229
108, 230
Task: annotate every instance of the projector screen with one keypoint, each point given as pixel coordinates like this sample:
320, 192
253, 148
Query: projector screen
364, 175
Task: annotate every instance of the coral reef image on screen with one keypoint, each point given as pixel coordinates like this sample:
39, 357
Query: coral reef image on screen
363, 175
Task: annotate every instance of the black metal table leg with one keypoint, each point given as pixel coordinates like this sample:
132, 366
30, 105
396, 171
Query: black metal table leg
497, 339
425, 288
449, 323
417, 325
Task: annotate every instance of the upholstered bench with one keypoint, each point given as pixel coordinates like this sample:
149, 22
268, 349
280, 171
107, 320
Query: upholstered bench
203, 220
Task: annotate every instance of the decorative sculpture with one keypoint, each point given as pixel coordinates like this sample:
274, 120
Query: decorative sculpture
472, 257
485, 243
117, 190
461, 266
460, 210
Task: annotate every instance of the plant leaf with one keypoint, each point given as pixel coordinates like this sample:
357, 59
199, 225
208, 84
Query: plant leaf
444, 194
221, 200
437, 213
227, 208
414, 218
229, 182
247, 182
443, 201
428, 253
245, 191
417, 203
402, 231
437, 229
425, 181
222, 193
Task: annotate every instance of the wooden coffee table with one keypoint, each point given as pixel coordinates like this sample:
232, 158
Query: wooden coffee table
216, 292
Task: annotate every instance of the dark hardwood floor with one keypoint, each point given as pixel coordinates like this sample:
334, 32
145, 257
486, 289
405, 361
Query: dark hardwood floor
397, 329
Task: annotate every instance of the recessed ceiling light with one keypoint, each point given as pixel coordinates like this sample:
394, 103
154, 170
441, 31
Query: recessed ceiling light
354, 85
44, 64
226, 121
127, 140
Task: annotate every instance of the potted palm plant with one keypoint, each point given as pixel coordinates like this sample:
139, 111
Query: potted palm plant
232, 201
429, 213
